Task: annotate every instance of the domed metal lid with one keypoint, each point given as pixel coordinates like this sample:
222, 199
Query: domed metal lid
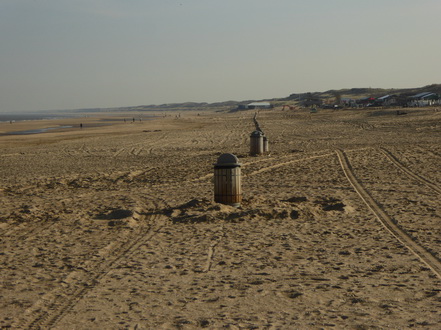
227, 160
257, 133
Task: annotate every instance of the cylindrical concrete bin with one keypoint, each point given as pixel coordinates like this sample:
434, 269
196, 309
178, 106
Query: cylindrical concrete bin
265, 144
256, 143
227, 185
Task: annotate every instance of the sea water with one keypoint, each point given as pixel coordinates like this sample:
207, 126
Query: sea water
14, 117
37, 131
17, 117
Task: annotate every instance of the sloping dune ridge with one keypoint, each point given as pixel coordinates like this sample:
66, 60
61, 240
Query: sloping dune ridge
115, 226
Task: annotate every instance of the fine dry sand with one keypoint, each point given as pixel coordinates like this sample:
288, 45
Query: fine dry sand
115, 227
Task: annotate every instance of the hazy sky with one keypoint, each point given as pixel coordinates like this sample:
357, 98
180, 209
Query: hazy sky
68, 54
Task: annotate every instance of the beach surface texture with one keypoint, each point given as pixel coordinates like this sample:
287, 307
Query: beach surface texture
112, 224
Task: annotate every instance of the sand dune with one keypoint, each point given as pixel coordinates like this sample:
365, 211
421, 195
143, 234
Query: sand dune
115, 226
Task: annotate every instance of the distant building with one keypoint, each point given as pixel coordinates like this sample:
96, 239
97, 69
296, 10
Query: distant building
347, 102
256, 105
386, 100
366, 101
424, 99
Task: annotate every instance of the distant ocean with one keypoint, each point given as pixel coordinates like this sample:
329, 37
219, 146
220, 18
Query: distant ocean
8, 117
17, 117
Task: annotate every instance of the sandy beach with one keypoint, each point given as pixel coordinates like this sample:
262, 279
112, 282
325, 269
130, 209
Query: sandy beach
114, 226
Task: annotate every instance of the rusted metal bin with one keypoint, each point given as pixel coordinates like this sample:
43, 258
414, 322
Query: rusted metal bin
265, 144
256, 143
227, 185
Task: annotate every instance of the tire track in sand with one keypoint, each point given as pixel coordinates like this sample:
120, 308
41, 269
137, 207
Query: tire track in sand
271, 167
211, 250
432, 262
268, 168
51, 308
411, 174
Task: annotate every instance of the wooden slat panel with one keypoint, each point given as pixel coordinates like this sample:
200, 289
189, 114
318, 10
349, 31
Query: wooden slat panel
227, 185
256, 145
